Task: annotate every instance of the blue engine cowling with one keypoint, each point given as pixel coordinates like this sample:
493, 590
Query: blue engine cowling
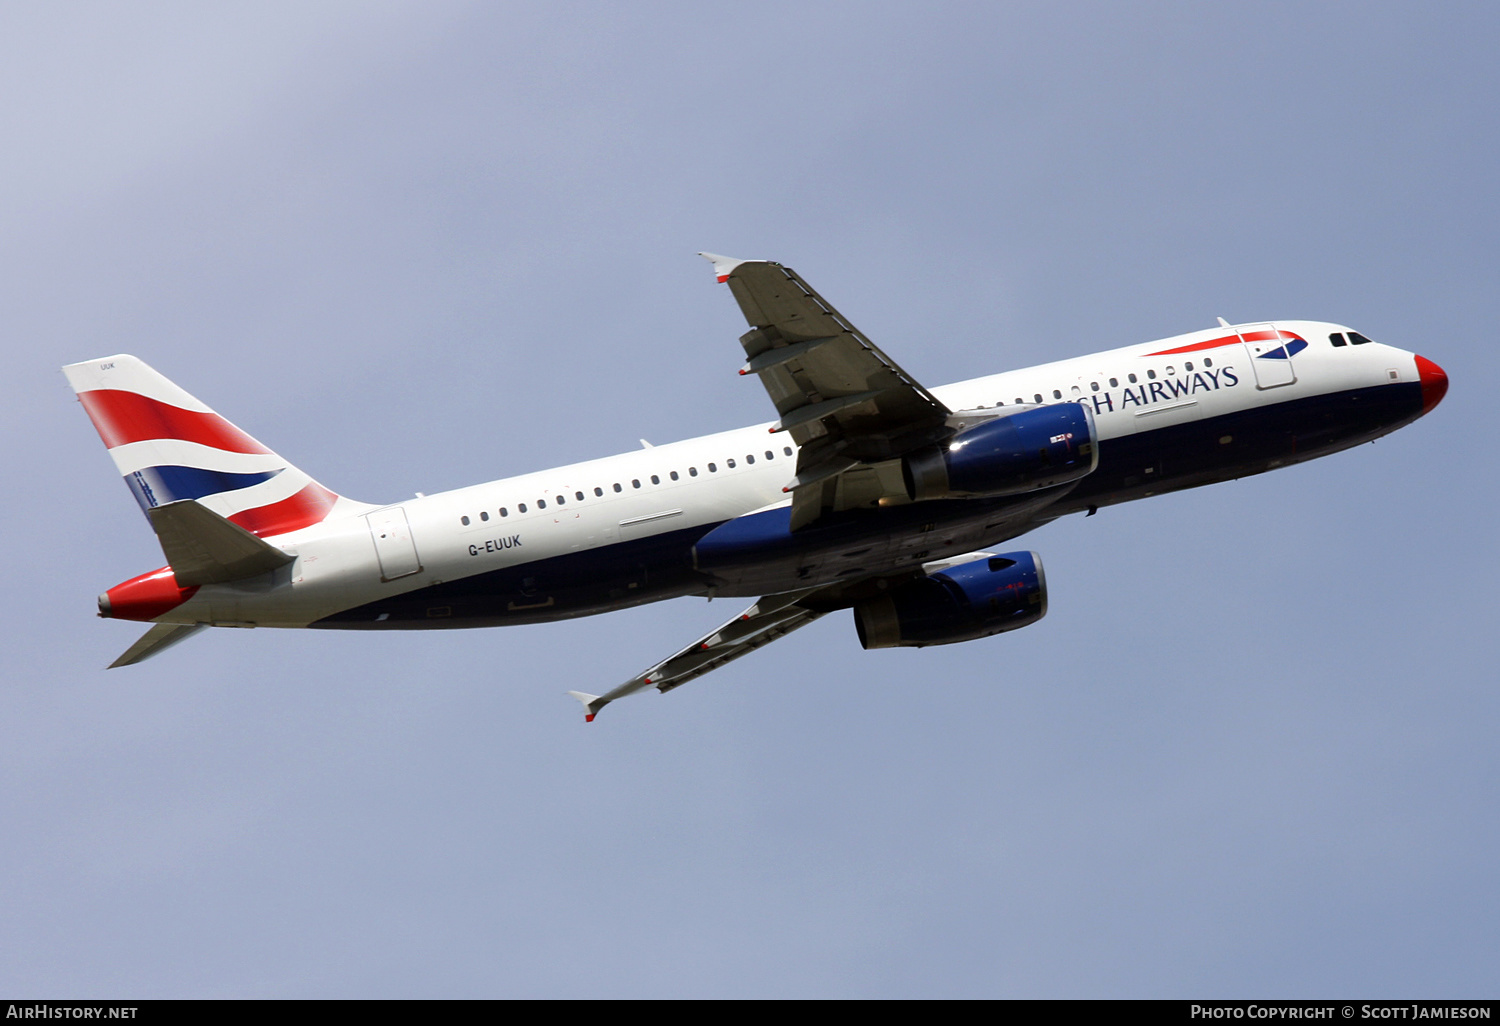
962, 603
1026, 450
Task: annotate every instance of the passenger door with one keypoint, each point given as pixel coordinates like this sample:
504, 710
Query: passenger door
1268, 355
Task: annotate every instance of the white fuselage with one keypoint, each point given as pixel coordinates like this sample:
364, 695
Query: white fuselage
679, 489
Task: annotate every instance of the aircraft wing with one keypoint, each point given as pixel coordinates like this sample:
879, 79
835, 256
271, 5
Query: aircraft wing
772, 617
846, 403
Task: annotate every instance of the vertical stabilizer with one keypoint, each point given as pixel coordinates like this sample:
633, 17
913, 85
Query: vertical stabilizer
171, 447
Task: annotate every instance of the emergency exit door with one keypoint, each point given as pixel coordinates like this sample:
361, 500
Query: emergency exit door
393, 543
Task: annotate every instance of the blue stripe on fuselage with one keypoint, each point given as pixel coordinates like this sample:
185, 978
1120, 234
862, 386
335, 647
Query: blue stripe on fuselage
647, 569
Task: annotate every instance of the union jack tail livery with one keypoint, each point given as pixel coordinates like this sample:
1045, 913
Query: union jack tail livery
170, 447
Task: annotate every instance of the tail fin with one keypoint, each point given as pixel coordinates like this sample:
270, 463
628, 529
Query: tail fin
170, 447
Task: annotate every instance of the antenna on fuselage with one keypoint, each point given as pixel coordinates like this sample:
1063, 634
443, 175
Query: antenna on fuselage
1224, 324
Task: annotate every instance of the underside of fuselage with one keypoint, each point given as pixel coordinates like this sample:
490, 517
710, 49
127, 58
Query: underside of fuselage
858, 544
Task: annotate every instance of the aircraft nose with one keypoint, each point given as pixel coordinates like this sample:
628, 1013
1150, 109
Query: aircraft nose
1434, 383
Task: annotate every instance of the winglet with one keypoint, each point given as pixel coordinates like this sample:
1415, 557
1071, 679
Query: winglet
723, 265
588, 700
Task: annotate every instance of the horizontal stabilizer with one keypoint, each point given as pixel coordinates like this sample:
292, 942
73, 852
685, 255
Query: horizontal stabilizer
159, 638
204, 548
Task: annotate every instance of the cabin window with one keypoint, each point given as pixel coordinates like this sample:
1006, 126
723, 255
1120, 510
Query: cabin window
1038, 397
1170, 371
1188, 366
749, 459
712, 469
1094, 385
655, 479
484, 514
1133, 379
578, 496
521, 506
692, 471
541, 504
598, 490
561, 501
787, 449
464, 520
1114, 382
617, 487
635, 482
1151, 374
729, 463
504, 512
1208, 361
673, 475
770, 455
1337, 338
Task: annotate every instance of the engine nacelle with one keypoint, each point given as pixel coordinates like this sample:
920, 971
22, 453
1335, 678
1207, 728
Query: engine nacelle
961, 603
1027, 450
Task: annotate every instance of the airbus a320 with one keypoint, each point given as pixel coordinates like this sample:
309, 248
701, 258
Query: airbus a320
868, 492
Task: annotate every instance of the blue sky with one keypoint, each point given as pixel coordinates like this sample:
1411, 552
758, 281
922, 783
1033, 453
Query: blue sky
1249, 752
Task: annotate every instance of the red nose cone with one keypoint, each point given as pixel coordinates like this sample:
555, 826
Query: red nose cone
145, 597
1434, 383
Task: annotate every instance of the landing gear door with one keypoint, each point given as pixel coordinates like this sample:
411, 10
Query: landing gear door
393, 543
1268, 355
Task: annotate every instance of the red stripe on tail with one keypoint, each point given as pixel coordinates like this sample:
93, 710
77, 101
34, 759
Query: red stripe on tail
124, 417
309, 506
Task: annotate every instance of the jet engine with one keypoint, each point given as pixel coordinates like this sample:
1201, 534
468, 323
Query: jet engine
962, 603
1021, 452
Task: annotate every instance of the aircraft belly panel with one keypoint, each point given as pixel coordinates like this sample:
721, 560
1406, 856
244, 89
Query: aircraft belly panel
1241, 443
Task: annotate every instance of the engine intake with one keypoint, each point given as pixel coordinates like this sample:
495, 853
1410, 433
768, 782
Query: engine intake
1027, 450
962, 603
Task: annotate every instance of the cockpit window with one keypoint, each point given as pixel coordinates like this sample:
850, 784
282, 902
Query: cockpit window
1337, 338
1358, 339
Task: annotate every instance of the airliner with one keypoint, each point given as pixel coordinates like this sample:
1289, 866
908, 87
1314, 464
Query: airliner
868, 492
